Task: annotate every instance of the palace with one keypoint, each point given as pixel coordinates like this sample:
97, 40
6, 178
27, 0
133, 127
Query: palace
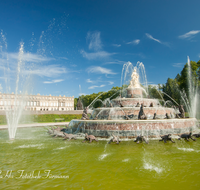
36, 102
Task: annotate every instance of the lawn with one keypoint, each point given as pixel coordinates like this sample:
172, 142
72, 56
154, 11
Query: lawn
44, 118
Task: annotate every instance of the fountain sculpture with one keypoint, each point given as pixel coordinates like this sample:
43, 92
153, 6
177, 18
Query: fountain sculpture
133, 115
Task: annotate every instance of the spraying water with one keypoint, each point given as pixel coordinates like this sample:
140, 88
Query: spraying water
193, 92
13, 115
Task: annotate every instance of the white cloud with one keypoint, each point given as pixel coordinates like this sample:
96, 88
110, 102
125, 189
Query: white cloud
152, 38
92, 87
65, 58
110, 82
95, 45
189, 35
100, 70
27, 57
53, 81
47, 71
134, 42
89, 81
178, 65
95, 41
117, 45
115, 62
96, 55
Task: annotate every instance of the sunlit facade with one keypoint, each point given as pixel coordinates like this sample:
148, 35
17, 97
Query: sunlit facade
36, 102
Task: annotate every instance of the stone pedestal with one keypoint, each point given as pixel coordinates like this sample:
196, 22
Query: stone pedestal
134, 93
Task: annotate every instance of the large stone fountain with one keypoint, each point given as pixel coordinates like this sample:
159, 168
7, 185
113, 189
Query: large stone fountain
133, 115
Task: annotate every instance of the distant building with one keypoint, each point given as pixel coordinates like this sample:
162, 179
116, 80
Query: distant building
36, 102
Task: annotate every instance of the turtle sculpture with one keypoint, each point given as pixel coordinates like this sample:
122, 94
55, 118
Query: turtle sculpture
89, 138
140, 139
69, 136
57, 133
114, 139
141, 114
186, 136
166, 138
49, 131
64, 130
58, 128
196, 135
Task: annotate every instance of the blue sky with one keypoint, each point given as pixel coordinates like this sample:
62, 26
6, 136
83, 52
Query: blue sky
79, 47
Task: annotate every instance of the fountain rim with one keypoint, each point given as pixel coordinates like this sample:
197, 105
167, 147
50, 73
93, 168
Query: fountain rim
137, 121
132, 108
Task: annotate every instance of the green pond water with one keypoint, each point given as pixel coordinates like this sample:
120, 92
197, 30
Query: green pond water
35, 160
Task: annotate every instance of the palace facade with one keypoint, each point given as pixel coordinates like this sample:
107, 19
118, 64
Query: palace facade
36, 102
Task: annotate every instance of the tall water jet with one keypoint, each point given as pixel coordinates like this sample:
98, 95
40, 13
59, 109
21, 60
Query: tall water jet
14, 113
16, 76
192, 91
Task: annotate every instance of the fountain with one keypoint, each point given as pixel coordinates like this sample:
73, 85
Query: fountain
13, 113
133, 114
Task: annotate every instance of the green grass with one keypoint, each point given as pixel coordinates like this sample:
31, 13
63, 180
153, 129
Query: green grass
45, 118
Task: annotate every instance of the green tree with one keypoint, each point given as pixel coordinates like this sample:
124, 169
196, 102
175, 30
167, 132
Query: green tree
100, 97
171, 91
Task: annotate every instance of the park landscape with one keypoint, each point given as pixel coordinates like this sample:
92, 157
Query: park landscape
134, 135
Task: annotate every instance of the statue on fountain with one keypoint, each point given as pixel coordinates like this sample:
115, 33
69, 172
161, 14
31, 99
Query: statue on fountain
182, 111
84, 114
141, 114
134, 83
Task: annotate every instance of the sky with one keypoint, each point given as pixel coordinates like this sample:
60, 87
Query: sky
79, 47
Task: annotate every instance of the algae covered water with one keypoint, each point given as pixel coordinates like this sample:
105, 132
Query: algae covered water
35, 160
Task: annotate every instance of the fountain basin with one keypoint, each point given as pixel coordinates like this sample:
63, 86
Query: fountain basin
119, 113
132, 102
131, 129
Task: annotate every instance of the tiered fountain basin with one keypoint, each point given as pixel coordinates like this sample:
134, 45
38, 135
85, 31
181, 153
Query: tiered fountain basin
128, 108
132, 102
132, 113
133, 128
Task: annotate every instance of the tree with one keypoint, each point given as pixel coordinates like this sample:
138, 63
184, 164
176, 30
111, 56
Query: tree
100, 97
171, 91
